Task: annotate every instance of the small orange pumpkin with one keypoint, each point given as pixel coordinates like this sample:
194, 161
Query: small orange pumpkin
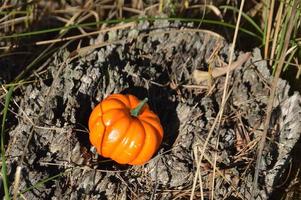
125, 129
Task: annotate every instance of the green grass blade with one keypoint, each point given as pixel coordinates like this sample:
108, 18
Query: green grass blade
249, 19
41, 183
265, 19
204, 21
291, 56
283, 33
57, 29
4, 167
13, 12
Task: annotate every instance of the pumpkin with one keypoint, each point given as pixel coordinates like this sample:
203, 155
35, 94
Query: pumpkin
125, 129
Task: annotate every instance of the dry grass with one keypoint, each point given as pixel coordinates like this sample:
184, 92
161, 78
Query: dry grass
36, 22
279, 67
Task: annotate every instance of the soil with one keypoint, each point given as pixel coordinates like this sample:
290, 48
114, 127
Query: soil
155, 60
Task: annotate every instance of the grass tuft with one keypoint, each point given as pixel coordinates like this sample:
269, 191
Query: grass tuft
3, 159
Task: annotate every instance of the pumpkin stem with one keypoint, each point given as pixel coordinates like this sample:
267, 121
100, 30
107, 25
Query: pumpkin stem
136, 111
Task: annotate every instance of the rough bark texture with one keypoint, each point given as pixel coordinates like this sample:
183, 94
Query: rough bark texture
153, 60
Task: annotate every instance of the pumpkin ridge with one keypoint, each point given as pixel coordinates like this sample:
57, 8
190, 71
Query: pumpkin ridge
106, 127
92, 118
123, 104
126, 105
121, 138
121, 110
128, 133
148, 117
147, 150
116, 109
105, 130
132, 100
94, 142
148, 114
145, 119
145, 132
155, 128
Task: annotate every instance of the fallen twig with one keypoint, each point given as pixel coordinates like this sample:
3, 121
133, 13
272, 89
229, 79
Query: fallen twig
200, 76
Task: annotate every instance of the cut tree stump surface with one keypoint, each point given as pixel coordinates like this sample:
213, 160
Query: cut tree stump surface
154, 60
